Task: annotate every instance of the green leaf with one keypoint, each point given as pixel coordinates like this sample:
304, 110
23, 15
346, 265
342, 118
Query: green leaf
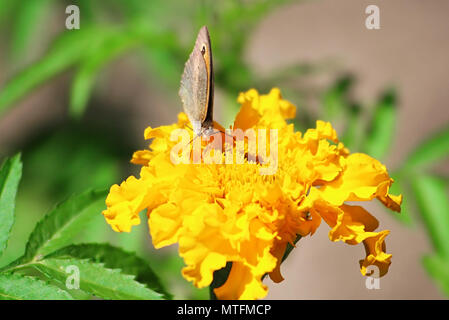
335, 99
438, 268
85, 77
97, 279
10, 174
227, 18
432, 200
68, 49
430, 151
354, 132
25, 25
397, 188
88, 8
64, 222
7, 7
19, 287
163, 63
114, 258
381, 132
284, 75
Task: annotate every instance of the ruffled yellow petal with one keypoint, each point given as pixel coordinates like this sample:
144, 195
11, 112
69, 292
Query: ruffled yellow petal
263, 111
362, 179
324, 130
278, 252
124, 204
142, 157
347, 227
375, 254
166, 221
241, 284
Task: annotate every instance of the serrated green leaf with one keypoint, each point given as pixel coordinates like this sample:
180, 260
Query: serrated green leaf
61, 224
95, 278
114, 258
68, 49
438, 268
430, 151
10, 174
19, 287
381, 131
431, 197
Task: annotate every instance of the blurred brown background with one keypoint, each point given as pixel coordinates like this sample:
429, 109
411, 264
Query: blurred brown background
410, 51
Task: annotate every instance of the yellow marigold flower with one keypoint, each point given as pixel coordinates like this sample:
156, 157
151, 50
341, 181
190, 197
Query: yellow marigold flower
221, 213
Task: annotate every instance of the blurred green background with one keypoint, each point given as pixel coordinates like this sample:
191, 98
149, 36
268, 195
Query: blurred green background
76, 103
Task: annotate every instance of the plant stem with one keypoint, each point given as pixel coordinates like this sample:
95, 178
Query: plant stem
220, 277
290, 248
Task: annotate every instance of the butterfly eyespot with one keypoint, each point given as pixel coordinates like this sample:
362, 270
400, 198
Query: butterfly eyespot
203, 50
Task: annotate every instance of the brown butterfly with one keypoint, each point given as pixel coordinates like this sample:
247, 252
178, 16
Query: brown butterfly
197, 86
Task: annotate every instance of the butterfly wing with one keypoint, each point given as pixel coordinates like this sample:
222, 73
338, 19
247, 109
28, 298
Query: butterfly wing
194, 86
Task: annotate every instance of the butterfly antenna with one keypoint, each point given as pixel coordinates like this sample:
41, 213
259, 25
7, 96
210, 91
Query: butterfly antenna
225, 133
193, 139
